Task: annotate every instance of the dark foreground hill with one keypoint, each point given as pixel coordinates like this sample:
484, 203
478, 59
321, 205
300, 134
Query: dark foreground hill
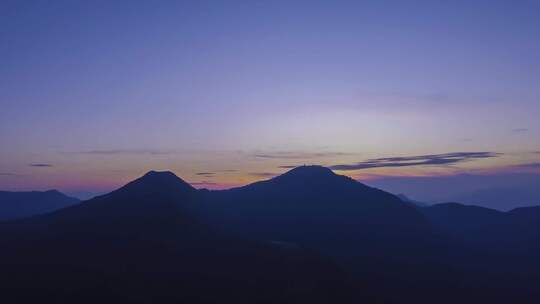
23, 204
139, 244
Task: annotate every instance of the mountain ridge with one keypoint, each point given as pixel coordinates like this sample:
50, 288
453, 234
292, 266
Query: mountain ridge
20, 204
329, 234
146, 246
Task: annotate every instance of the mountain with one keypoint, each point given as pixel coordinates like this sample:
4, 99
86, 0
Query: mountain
527, 220
140, 244
23, 204
493, 241
409, 254
306, 236
528, 215
369, 232
503, 191
485, 229
476, 226
502, 197
314, 205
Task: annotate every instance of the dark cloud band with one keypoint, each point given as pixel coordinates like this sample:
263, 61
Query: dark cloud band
8, 174
263, 174
418, 160
40, 165
205, 173
297, 155
123, 152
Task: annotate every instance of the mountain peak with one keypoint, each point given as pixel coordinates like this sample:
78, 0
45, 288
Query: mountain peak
160, 174
307, 173
310, 170
158, 180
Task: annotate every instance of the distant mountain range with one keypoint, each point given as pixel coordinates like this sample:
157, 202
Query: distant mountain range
307, 236
502, 198
516, 232
22, 204
499, 191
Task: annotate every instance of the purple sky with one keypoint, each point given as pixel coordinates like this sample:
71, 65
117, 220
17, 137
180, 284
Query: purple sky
95, 93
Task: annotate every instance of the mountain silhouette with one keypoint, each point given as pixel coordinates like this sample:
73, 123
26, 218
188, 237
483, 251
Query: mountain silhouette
527, 220
494, 249
503, 197
161, 182
360, 227
513, 233
474, 227
23, 204
467, 219
155, 193
530, 215
306, 236
150, 206
312, 200
140, 244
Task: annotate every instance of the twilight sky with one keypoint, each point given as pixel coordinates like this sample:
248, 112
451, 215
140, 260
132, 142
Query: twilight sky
95, 93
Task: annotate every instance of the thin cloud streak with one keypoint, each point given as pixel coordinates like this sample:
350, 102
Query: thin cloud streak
123, 152
288, 167
205, 173
203, 183
263, 174
40, 165
529, 166
419, 160
8, 174
297, 155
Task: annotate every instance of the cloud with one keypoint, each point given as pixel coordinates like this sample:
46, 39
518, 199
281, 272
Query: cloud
123, 152
419, 160
40, 165
528, 166
8, 174
520, 130
205, 173
263, 174
203, 183
297, 155
288, 166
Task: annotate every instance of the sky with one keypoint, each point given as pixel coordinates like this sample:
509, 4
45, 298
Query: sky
223, 93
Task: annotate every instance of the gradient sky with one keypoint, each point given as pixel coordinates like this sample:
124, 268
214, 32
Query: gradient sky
95, 93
